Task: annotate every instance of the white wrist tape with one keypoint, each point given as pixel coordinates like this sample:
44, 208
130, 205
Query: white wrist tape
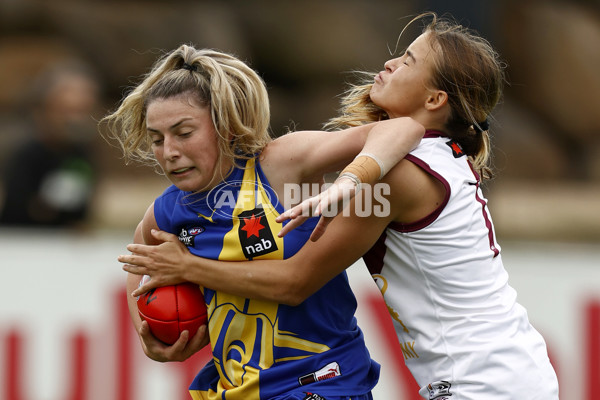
355, 179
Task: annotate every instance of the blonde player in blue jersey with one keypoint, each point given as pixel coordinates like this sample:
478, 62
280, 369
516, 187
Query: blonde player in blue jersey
203, 117
434, 255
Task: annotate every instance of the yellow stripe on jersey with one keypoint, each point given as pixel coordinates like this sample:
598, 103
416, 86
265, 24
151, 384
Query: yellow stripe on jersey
252, 194
237, 325
202, 395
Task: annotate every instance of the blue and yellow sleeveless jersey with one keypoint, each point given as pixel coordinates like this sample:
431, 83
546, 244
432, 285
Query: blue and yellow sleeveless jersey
263, 349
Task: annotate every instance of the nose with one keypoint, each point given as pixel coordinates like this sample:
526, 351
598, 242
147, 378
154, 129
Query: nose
171, 149
390, 65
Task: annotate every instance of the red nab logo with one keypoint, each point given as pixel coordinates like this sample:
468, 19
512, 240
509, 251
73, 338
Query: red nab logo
255, 235
457, 151
252, 226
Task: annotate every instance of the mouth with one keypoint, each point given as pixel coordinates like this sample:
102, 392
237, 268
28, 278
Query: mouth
181, 171
379, 78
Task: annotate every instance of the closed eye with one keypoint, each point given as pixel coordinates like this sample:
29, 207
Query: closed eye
409, 56
156, 139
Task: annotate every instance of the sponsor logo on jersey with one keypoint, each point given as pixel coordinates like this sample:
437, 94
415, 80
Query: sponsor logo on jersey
187, 236
329, 371
255, 234
313, 396
457, 151
439, 390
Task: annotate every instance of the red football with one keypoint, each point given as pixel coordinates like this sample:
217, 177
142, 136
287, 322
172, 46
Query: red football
170, 310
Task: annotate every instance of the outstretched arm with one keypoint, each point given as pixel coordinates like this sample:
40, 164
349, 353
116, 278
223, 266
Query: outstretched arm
381, 145
288, 281
285, 281
312, 153
292, 280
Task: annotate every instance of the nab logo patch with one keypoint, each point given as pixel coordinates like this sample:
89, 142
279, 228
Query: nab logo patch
255, 234
187, 236
457, 151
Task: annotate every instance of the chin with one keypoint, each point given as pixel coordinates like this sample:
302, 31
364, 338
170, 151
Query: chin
186, 186
373, 96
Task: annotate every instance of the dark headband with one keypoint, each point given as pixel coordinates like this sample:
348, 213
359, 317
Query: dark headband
189, 67
481, 126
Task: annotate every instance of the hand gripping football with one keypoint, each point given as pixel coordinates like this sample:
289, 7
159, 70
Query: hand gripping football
170, 310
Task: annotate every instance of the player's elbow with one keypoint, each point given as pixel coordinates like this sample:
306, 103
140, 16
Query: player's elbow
292, 292
293, 299
412, 129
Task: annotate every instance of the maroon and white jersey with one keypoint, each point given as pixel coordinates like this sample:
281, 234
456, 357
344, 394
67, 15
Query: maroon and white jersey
462, 332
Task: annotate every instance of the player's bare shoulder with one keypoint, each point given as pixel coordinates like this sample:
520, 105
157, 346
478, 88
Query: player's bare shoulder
414, 192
